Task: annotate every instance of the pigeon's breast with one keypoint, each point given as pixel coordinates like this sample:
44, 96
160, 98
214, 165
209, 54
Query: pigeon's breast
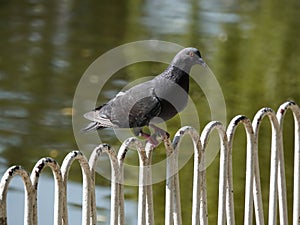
169, 110
173, 97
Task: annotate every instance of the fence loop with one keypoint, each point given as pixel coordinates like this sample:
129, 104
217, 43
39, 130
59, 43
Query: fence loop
250, 151
281, 179
209, 128
5, 180
95, 156
86, 186
35, 174
223, 169
182, 132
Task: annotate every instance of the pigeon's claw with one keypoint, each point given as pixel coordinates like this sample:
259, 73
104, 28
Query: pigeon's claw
160, 132
158, 135
144, 135
155, 138
152, 139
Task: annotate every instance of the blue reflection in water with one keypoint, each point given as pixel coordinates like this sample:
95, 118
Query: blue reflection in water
46, 204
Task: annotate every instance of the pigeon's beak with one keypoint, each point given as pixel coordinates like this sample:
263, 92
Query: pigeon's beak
201, 62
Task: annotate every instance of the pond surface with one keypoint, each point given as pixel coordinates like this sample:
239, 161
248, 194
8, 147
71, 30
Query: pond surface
252, 47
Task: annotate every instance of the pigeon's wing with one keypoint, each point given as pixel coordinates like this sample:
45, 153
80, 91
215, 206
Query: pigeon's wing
132, 108
91, 126
101, 119
144, 110
101, 116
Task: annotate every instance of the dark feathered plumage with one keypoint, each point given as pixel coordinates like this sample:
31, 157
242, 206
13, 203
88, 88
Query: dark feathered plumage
163, 96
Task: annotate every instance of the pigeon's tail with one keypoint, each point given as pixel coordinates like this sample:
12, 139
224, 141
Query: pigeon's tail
90, 127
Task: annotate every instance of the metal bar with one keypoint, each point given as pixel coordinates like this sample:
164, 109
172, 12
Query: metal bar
130, 142
145, 205
223, 164
283, 209
142, 199
257, 196
149, 195
142, 187
172, 184
104, 148
198, 212
115, 177
176, 192
86, 186
296, 194
276, 146
35, 174
203, 197
97, 152
248, 210
169, 183
229, 191
121, 156
176, 199
4, 184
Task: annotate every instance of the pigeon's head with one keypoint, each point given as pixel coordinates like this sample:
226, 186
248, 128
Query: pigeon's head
187, 58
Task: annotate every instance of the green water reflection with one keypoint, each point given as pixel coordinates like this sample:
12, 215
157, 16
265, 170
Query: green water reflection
45, 46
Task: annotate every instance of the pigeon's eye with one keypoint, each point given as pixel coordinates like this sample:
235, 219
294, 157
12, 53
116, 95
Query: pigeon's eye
191, 54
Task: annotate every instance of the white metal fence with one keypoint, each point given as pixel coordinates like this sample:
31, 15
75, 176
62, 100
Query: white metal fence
253, 208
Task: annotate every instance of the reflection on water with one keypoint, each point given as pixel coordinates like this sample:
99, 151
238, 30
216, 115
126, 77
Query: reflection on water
252, 47
166, 17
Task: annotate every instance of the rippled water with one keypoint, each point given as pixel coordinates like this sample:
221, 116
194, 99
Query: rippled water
45, 47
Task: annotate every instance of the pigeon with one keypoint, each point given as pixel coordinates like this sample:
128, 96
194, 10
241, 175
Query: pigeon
162, 97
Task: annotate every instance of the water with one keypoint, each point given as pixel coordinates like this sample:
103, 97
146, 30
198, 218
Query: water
45, 47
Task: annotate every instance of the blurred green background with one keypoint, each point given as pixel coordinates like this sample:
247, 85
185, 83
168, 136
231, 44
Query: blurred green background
253, 48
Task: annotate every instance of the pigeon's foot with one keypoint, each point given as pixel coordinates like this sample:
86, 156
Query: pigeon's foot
152, 139
160, 132
155, 138
158, 135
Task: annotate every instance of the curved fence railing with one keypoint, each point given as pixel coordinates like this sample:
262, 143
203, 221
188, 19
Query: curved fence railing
253, 208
